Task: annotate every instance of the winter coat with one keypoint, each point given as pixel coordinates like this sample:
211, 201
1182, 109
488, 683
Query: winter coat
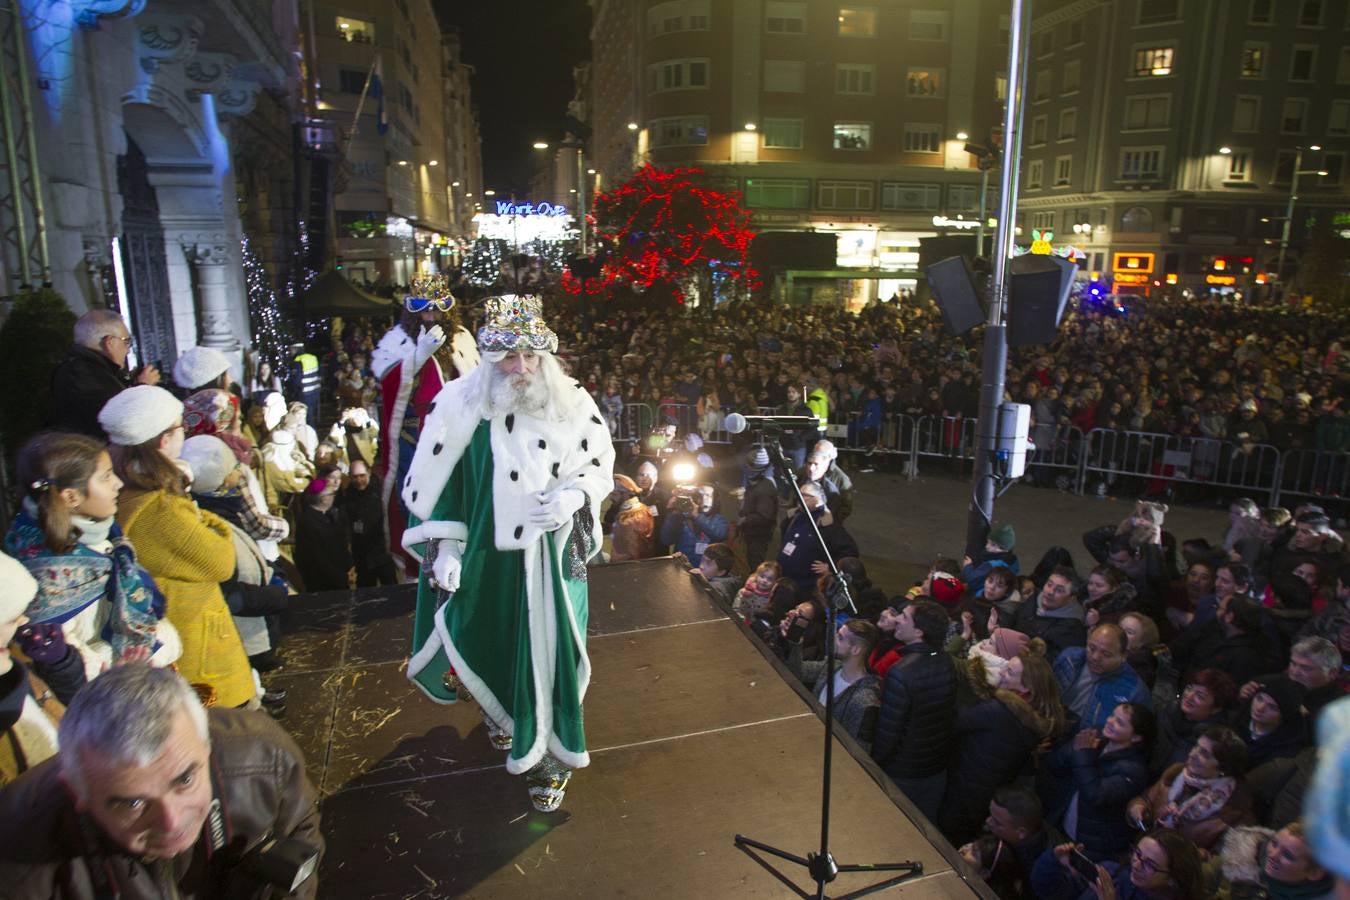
1051, 881
1177, 735
82, 383
1105, 783
984, 563
321, 551
189, 552
365, 524
759, 509
1237, 871
1121, 686
691, 534
1204, 833
29, 717
918, 714
994, 741
1058, 633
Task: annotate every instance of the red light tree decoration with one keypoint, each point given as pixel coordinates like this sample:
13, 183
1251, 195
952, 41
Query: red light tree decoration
672, 231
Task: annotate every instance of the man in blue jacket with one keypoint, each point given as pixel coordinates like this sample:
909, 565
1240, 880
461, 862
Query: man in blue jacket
1095, 679
690, 524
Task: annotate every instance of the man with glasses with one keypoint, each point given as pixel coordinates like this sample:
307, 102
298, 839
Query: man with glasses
427, 348
92, 372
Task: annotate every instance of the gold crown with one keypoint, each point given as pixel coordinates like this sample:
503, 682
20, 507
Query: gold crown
431, 288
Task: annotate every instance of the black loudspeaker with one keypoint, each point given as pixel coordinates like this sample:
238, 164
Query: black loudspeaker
1038, 292
953, 288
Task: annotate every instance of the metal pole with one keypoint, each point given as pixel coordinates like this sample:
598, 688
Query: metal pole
34, 161
581, 197
984, 205
1288, 218
995, 361
12, 159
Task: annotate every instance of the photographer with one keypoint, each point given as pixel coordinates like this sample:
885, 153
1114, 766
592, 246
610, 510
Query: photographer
152, 796
692, 523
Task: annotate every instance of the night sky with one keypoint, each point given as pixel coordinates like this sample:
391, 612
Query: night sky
523, 51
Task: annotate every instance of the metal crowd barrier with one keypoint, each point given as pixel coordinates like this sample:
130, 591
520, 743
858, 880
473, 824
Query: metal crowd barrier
1065, 454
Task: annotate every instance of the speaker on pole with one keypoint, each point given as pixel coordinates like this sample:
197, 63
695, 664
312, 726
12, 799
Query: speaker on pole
953, 287
1038, 293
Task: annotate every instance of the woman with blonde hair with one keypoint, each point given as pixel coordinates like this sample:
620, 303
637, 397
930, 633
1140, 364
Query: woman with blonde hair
89, 585
188, 551
996, 737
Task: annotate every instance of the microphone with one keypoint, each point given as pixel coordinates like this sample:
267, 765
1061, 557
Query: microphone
736, 423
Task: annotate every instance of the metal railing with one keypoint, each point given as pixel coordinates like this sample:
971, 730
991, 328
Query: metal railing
1145, 462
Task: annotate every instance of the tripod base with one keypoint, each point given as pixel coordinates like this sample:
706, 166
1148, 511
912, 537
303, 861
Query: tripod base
823, 869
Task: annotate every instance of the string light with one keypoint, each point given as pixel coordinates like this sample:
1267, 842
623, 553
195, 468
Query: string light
271, 336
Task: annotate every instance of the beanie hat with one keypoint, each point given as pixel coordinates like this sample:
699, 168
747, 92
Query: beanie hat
946, 589
1288, 696
209, 411
1004, 536
199, 365
274, 410
17, 588
1154, 512
211, 460
759, 459
139, 414
1009, 642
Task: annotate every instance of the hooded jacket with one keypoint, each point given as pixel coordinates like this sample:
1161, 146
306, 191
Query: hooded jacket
1104, 783
1121, 686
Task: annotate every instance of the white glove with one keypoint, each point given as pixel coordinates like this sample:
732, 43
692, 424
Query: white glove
554, 510
446, 568
428, 342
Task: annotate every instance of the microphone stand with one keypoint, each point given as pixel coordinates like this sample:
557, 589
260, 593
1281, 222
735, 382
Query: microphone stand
821, 865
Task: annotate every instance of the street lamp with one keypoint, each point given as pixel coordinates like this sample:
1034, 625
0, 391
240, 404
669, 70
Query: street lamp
1083, 228
986, 159
1289, 209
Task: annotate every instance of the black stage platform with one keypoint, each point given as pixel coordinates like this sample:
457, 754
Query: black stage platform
694, 736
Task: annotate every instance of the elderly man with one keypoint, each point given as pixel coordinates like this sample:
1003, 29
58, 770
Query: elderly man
1315, 666
152, 796
93, 370
1095, 679
504, 493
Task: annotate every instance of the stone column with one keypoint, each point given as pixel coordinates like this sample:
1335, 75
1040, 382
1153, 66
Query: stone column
208, 261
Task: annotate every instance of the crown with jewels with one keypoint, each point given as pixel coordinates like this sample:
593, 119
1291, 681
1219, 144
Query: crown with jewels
516, 322
431, 289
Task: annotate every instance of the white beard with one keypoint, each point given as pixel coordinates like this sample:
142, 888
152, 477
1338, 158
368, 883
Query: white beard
518, 393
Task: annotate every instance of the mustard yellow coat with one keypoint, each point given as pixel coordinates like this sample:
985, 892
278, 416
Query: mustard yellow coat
189, 552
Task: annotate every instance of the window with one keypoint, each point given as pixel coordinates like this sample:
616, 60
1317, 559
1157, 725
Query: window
922, 138
1043, 221
1141, 164
1153, 12
1333, 164
1035, 174
852, 135
678, 131
1310, 14
351, 81
1076, 29
1303, 63
1153, 61
929, 24
896, 195
854, 78
925, 82
1343, 66
677, 74
1294, 116
785, 16
1339, 120
963, 198
846, 194
1262, 12
1063, 170
1073, 75
782, 134
1150, 111
785, 76
355, 30
1254, 60
857, 21
778, 193
1136, 220
1239, 166
1042, 89
1036, 136
1001, 86
1284, 167
677, 15
1247, 114
1045, 42
1068, 124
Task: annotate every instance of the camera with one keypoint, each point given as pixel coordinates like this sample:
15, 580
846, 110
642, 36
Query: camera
685, 505
284, 863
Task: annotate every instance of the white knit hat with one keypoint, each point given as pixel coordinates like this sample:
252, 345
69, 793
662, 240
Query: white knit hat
274, 410
211, 460
139, 414
17, 588
197, 366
